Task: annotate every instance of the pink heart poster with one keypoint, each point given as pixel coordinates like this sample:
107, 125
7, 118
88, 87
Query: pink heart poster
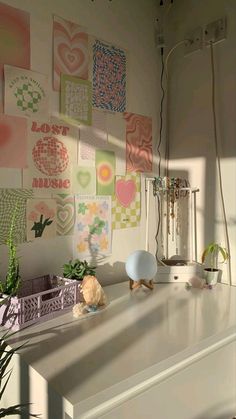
13, 141
70, 50
126, 202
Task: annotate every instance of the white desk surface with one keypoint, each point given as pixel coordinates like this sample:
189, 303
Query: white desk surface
140, 334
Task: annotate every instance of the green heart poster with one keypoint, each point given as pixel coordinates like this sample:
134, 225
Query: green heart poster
105, 167
84, 180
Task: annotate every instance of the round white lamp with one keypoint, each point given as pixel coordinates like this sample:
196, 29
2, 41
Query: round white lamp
141, 267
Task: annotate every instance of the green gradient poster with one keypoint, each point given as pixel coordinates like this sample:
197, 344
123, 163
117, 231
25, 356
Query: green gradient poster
105, 167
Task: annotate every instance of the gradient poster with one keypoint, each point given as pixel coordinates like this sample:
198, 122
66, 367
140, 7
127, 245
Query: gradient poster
14, 40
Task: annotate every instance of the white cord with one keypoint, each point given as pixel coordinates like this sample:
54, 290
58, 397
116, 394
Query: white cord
166, 73
219, 163
170, 52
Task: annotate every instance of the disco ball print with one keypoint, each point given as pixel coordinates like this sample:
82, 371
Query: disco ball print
50, 156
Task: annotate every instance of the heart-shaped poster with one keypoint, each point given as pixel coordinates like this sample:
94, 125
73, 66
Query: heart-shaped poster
70, 50
125, 192
72, 58
65, 215
84, 178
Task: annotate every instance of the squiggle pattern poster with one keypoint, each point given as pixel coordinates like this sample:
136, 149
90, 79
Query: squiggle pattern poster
70, 50
109, 77
93, 226
138, 143
14, 40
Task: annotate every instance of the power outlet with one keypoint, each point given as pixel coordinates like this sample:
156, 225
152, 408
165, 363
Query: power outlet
194, 41
216, 31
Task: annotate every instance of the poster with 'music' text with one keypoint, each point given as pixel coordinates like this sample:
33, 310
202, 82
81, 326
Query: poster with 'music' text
52, 149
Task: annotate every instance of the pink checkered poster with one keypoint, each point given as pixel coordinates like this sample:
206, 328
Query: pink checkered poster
52, 149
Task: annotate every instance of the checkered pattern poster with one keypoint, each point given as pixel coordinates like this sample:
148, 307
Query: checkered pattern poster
109, 77
9, 200
26, 93
76, 100
126, 207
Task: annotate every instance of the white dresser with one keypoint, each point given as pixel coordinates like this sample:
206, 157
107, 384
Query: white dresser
161, 354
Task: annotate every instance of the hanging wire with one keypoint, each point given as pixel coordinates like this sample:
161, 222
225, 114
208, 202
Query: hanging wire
161, 111
218, 160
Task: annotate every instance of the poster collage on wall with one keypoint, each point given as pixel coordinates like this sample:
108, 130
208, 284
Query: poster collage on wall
80, 172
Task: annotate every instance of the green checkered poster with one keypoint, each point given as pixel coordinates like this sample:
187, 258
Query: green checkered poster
26, 93
126, 207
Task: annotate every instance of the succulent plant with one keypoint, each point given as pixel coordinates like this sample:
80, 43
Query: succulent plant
77, 269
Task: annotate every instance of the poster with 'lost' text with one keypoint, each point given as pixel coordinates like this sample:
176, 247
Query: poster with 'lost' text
52, 148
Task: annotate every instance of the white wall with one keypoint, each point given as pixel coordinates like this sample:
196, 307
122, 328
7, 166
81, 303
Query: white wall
130, 25
190, 117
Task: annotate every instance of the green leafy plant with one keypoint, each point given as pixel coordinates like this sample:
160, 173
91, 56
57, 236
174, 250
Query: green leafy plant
77, 269
5, 359
13, 281
213, 250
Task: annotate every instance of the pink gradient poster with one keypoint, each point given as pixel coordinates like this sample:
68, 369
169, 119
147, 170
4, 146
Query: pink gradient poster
14, 40
70, 50
138, 143
13, 141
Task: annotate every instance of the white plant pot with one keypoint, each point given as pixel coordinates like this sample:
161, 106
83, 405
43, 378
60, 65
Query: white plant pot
211, 276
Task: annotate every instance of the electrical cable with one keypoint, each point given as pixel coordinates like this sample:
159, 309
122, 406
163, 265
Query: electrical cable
170, 52
164, 69
158, 150
161, 111
219, 162
183, 41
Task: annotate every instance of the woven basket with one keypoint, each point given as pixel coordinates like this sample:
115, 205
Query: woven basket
39, 299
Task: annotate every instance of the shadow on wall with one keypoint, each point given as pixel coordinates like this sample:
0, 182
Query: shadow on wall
107, 274
110, 274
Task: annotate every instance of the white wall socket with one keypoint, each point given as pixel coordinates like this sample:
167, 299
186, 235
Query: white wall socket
193, 41
216, 31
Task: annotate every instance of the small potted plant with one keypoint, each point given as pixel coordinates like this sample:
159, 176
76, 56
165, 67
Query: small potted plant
77, 269
213, 250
